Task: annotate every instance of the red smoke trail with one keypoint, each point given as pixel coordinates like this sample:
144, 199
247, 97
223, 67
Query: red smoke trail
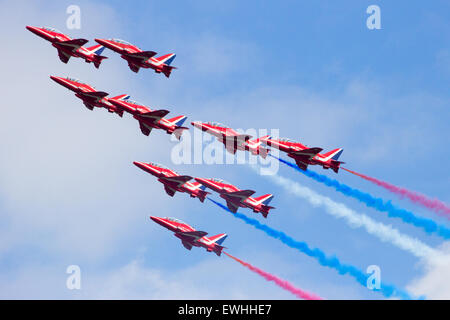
433, 204
282, 283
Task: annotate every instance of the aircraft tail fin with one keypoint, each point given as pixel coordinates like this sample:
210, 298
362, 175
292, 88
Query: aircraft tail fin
178, 121
178, 129
333, 154
265, 199
97, 49
97, 58
202, 195
218, 240
167, 59
121, 97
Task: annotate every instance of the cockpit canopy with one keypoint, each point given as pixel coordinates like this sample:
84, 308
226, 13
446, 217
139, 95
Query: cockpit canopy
75, 80
217, 124
220, 181
121, 41
175, 220
133, 102
288, 140
158, 165
51, 29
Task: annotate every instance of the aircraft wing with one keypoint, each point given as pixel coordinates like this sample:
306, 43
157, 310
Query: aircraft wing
155, 115
177, 180
232, 206
144, 129
237, 137
241, 194
139, 57
74, 43
243, 137
193, 235
96, 95
230, 147
306, 154
187, 245
169, 190
88, 105
64, 57
301, 165
133, 67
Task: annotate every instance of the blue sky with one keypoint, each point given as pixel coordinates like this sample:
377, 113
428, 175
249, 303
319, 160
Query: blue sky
69, 193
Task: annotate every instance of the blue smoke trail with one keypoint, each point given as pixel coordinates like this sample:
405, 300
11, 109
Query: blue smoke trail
332, 262
377, 203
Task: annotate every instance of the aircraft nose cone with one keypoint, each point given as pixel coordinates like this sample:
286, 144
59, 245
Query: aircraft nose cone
35, 30
196, 123
158, 220
102, 42
138, 164
56, 79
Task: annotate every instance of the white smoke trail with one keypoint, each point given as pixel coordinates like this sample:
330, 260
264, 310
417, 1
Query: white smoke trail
385, 233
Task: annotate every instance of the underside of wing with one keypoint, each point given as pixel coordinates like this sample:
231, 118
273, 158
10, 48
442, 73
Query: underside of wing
64, 57
306, 153
155, 115
194, 235
230, 147
187, 245
88, 105
241, 194
133, 67
301, 165
74, 43
144, 129
232, 206
139, 57
92, 97
177, 180
169, 190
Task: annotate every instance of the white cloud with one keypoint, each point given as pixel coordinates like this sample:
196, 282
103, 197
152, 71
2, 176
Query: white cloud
435, 281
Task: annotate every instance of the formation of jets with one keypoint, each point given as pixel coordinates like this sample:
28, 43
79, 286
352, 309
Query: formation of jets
136, 58
149, 119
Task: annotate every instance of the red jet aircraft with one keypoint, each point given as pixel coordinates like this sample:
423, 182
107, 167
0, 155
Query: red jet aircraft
149, 119
138, 58
68, 47
231, 139
305, 156
190, 237
238, 198
89, 95
172, 181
